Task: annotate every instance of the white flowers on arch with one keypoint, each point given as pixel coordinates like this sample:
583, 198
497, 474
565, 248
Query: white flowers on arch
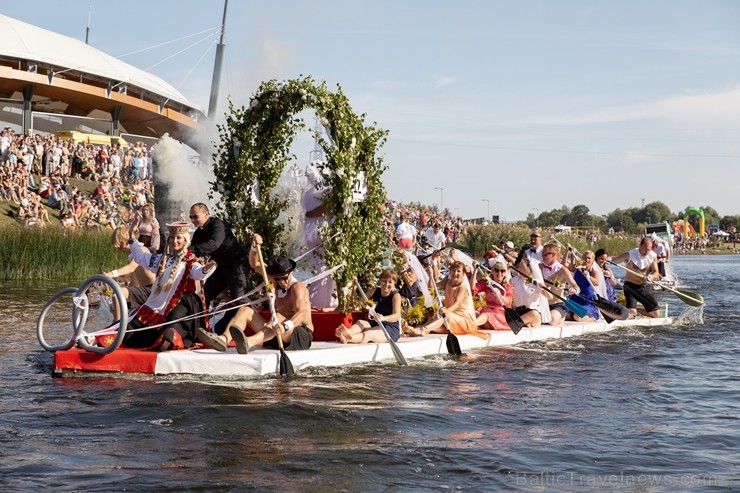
255, 147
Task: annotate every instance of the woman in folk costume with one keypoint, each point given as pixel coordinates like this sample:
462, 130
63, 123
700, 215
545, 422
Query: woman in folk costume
175, 293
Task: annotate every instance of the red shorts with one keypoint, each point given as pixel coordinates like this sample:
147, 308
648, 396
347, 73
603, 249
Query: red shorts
405, 243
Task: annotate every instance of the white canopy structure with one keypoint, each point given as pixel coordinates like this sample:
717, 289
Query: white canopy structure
63, 75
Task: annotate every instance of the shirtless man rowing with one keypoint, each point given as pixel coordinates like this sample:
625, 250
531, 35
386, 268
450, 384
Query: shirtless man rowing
292, 305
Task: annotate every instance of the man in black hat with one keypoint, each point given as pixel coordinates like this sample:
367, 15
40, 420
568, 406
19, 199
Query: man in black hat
292, 305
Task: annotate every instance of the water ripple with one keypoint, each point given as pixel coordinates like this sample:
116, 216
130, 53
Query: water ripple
659, 403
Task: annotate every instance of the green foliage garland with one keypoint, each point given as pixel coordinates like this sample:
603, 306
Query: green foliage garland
254, 149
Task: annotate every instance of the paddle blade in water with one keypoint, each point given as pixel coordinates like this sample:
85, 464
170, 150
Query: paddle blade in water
611, 309
400, 359
693, 299
286, 367
453, 345
513, 320
394, 347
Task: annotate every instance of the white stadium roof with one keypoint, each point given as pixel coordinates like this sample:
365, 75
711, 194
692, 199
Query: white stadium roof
27, 42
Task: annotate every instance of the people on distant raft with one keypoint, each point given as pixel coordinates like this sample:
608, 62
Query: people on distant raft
643, 262
457, 309
215, 239
663, 253
292, 305
175, 293
387, 310
436, 239
323, 291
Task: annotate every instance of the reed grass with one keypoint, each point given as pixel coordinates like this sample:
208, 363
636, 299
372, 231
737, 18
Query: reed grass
479, 238
47, 253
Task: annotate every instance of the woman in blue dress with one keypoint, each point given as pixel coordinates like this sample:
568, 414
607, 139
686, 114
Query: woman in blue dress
387, 310
585, 276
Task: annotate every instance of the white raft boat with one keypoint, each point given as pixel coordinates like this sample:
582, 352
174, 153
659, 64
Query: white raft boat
262, 362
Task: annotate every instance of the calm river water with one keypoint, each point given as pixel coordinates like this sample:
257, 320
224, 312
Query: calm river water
633, 410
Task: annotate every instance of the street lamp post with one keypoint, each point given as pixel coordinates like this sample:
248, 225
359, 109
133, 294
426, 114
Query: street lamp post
488, 208
441, 198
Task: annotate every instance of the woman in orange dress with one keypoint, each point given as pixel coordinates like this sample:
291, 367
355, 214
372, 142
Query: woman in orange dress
457, 307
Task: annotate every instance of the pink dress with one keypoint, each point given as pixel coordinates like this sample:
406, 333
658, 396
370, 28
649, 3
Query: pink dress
494, 310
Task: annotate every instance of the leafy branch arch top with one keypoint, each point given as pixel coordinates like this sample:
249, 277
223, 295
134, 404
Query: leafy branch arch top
254, 148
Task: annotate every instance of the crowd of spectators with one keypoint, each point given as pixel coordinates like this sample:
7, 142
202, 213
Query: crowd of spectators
421, 218
35, 171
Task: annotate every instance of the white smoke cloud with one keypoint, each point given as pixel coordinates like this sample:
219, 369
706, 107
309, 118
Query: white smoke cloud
186, 180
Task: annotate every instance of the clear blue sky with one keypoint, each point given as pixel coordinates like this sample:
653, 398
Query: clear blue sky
530, 105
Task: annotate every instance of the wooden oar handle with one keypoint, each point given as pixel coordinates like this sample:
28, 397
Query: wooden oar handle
642, 276
359, 288
538, 283
270, 294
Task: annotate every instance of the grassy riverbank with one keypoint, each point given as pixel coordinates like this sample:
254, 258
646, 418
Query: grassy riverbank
46, 253
9, 210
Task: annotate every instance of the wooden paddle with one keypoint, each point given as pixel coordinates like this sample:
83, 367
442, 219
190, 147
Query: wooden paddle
394, 347
285, 365
571, 305
452, 343
513, 319
693, 299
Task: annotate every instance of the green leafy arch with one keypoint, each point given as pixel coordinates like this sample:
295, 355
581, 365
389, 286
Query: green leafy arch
255, 147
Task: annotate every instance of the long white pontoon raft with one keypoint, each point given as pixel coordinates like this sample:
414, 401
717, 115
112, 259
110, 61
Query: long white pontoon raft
262, 362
